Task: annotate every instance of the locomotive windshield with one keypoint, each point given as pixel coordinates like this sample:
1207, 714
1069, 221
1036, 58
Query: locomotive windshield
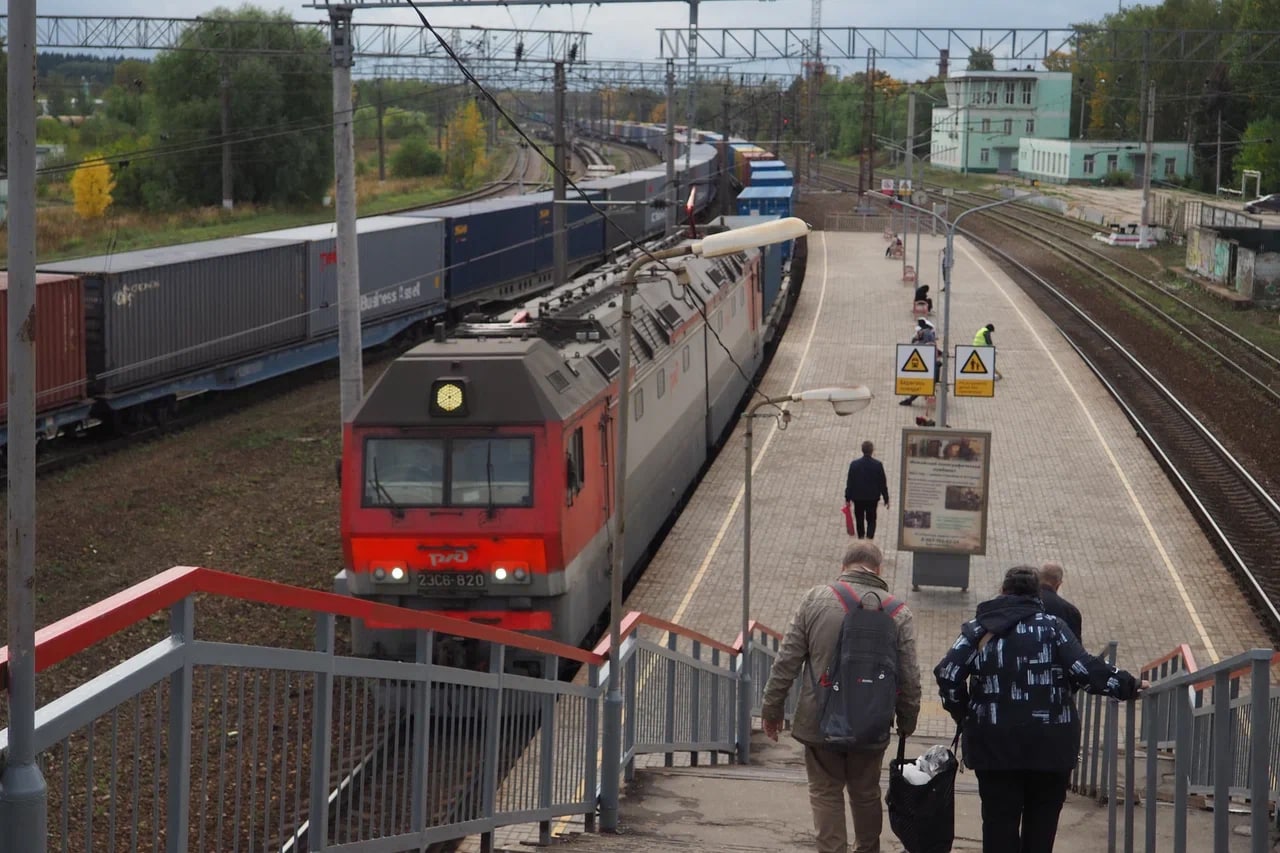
418, 472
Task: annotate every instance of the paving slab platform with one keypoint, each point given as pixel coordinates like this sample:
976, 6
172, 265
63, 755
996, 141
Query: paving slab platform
1070, 482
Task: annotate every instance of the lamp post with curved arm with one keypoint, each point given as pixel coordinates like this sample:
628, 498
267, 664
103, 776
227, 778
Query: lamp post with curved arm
712, 246
846, 400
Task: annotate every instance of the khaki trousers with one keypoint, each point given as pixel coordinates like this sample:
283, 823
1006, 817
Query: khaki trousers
830, 775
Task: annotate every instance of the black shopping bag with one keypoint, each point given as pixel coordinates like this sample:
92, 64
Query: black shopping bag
923, 816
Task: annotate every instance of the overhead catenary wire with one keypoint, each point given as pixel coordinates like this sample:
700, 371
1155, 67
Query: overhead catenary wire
466, 72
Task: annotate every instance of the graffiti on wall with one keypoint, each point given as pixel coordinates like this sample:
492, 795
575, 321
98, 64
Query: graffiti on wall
1244, 271
1193, 251
1221, 261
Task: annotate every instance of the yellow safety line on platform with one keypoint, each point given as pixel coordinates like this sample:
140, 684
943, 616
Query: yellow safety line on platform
1115, 464
563, 824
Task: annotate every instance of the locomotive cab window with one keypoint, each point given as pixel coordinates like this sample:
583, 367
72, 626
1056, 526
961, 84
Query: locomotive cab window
575, 465
430, 472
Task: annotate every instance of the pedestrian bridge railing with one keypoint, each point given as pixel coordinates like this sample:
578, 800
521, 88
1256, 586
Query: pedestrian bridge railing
192, 744
1213, 731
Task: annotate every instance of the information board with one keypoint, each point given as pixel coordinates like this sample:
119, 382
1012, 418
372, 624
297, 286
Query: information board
943, 491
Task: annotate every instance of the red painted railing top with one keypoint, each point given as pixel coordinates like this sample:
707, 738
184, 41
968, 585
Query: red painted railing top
635, 619
85, 628
1183, 651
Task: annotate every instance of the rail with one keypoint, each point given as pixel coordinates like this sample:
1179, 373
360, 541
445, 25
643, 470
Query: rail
195, 744
1215, 726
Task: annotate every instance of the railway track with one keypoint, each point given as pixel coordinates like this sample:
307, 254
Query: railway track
1236, 510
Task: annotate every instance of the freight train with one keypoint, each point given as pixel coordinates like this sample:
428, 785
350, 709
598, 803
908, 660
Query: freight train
477, 474
122, 338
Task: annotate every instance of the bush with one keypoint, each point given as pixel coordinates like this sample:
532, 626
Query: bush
416, 159
1115, 179
402, 124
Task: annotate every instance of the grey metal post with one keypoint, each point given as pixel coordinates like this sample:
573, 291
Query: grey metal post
1130, 769
492, 727
592, 747
744, 671
1181, 766
669, 723
23, 794
547, 754
350, 365
1259, 747
691, 109
948, 261
911, 133
559, 217
321, 728
1217, 173
695, 693
671, 147
1221, 760
182, 622
1150, 719
382, 151
1144, 230
611, 748
421, 734
228, 201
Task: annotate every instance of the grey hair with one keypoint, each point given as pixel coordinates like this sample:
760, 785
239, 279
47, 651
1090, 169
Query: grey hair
1051, 575
863, 553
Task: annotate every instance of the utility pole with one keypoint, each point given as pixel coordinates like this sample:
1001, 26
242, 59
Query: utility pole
1217, 172
867, 170
559, 245
724, 153
777, 122
350, 363
911, 158
23, 793
382, 157
691, 109
671, 147
1084, 96
1144, 238
224, 86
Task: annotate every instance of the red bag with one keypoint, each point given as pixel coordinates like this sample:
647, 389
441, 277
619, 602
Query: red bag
848, 520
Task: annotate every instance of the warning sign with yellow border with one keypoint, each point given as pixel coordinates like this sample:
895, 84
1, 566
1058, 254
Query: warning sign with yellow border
915, 366
975, 372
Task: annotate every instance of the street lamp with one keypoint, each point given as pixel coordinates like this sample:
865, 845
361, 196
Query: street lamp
948, 260
845, 400
712, 246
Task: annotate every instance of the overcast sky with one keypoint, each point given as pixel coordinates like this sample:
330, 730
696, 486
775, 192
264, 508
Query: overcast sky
628, 30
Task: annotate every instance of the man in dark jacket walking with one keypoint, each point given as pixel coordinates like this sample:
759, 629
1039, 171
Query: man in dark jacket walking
1020, 727
1051, 575
866, 484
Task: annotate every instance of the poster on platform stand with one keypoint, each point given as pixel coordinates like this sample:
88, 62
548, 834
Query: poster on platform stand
943, 491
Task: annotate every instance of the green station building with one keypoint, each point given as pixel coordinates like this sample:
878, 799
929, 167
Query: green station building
1020, 122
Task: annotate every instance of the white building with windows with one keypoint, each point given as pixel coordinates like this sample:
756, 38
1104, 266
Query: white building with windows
989, 113
1060, 161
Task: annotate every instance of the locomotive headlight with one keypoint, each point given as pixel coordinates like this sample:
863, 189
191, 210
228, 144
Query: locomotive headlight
449, 398
390, 574
397, 573
509, 573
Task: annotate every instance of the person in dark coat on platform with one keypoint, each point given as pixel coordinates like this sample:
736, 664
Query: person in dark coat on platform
922, 295
1051, 575
1021, 733
866, 484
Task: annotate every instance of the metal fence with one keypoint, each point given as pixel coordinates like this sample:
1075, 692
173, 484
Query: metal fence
1217, 727
201, 745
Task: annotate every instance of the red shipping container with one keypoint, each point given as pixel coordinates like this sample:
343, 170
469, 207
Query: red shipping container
60, 353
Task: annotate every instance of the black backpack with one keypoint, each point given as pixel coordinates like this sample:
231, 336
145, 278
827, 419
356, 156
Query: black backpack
858, 694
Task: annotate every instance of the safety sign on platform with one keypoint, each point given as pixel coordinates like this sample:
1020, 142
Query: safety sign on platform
975, 372
915, 369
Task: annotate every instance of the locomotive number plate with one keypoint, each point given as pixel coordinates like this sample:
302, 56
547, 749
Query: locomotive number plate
433, 582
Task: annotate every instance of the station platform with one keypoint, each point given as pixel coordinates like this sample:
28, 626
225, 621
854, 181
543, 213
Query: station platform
1070, 483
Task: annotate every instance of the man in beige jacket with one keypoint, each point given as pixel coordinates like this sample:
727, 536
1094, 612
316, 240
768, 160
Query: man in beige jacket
810, 641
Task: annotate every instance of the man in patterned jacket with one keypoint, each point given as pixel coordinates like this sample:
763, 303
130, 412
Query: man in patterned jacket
1007, 681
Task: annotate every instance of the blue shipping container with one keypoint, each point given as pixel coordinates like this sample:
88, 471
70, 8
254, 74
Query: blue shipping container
775, 178
484, 250
586, 228
760, 201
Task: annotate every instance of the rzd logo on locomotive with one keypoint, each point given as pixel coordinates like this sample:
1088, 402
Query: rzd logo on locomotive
457, 557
